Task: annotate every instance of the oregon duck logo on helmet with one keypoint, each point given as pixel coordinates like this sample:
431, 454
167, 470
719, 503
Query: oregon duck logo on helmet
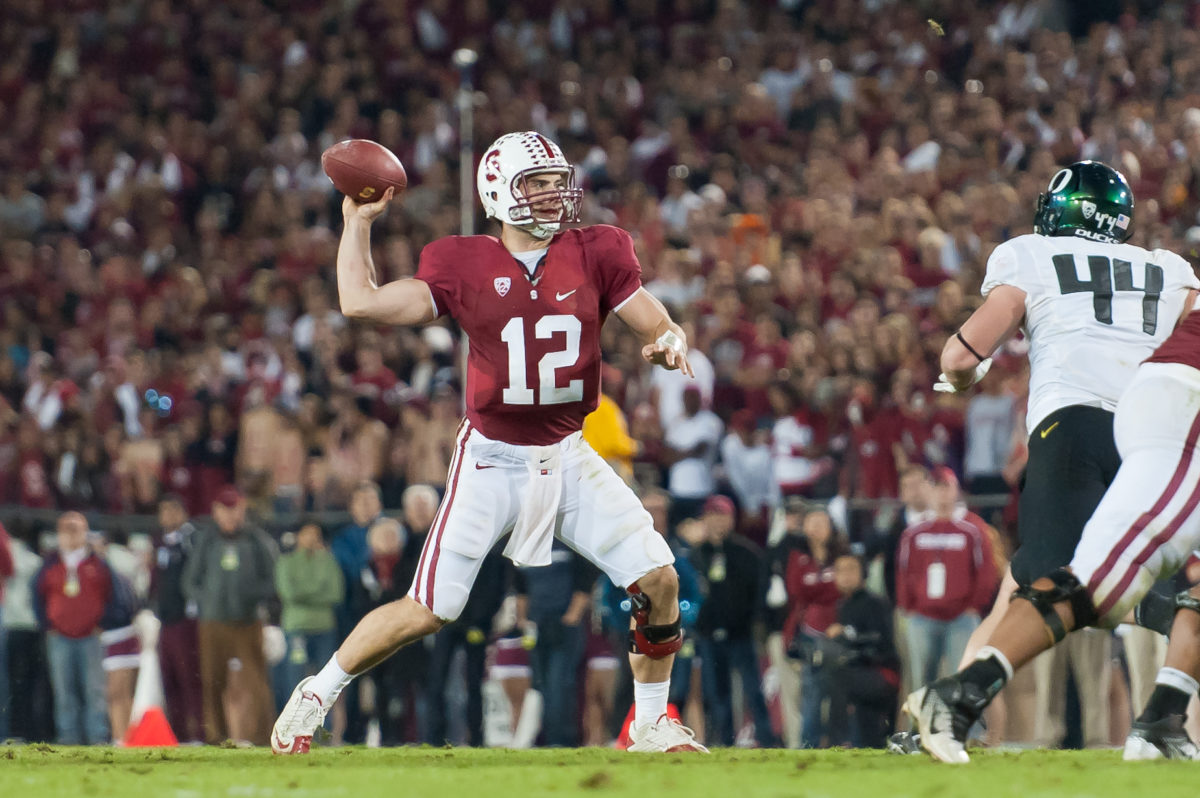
1087, 199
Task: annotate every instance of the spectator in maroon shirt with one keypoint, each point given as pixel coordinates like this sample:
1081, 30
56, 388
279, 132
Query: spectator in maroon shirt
813, 599
74, 597
945, 575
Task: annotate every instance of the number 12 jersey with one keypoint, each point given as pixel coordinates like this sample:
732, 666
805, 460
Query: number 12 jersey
1093, 312
533, 372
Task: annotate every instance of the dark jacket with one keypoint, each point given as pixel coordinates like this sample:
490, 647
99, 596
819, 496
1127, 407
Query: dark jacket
171, 552
867, 633
733, 577
229, 576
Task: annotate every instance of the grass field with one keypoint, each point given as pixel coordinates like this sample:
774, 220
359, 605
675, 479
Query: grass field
42, 770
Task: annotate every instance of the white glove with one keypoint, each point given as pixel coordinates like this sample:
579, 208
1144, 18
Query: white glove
943, 385
275, 646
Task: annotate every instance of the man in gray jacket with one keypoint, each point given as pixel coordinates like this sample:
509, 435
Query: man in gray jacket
229, 576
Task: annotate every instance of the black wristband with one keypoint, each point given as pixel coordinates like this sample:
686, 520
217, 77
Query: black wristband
970, 348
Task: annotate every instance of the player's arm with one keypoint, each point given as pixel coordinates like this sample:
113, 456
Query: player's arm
663, 341
359, 293
968, 350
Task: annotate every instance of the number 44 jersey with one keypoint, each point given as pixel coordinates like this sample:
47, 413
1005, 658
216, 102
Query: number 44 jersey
1093, 312
533, 372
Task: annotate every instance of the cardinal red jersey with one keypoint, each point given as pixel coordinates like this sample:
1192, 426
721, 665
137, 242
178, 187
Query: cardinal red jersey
944, 567
1183, 345
533, 372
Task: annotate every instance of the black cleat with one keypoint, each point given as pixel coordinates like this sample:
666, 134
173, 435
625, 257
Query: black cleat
905, 742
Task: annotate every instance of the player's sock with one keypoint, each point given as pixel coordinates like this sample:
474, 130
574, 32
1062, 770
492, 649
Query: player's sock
1172, 690
649, 701
330, 681
990, 671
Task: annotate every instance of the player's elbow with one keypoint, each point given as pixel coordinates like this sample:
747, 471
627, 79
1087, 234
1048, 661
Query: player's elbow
355, 307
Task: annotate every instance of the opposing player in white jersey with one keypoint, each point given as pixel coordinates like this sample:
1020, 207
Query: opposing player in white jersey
533, 302
1093, 307
1144, 529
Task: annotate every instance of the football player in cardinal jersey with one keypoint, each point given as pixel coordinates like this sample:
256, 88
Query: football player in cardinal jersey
532, 302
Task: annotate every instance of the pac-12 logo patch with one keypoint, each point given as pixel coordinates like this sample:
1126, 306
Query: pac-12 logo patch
1089, 209
502, 285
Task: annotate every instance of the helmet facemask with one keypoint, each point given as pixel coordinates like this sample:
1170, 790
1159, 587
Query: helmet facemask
544, 222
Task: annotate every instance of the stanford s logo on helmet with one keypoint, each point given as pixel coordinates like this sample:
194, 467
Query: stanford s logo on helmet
503, 184
1087, 199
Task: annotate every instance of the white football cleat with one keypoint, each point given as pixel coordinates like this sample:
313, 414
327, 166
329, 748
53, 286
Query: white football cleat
667, 735
944, 712
301, 717
1164, 738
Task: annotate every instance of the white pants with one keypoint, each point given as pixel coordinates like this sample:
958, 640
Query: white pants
599, 516
1147, 524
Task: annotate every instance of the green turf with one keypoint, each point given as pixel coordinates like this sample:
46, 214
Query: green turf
36, 771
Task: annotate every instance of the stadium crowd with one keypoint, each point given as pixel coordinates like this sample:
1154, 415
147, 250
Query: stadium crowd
814, 189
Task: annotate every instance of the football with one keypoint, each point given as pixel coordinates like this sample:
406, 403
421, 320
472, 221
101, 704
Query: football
363, 170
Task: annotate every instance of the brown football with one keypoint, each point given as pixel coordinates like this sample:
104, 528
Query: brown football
363, 170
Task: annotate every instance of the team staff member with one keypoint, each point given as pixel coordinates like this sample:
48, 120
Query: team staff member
230, 574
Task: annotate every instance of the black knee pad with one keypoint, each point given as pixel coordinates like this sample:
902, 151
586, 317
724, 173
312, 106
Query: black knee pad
1066, 588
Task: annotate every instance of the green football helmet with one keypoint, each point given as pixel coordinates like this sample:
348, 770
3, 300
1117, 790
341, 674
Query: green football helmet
1087, 199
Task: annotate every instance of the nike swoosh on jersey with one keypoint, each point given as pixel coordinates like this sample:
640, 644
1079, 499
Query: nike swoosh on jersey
1048, 430
561, 297
481, 466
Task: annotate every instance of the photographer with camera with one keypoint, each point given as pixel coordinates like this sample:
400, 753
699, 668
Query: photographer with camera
862, 667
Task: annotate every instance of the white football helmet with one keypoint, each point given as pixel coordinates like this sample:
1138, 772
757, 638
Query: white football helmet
501, 181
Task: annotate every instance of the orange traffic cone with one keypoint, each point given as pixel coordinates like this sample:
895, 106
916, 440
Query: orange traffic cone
623, 741
149, 727
152, 731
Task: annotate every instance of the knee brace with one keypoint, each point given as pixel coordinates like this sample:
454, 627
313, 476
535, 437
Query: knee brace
1157, 610
655, 641
1066, 588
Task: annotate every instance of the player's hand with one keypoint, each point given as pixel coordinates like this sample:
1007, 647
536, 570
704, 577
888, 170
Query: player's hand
367, 212
669, 358
944, 385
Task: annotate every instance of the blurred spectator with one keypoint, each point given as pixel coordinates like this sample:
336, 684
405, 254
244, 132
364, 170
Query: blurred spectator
945, 576
309, 584
797, 443
813, 597
864, 675
555, 599
990, 420
733, 573
122, 649
6, 571
915, 487
178, 647
229, 575
786, 537
27, 681
606, 431
349, 548
746, 456
74, 596
400, 680
469, 633
692, 440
